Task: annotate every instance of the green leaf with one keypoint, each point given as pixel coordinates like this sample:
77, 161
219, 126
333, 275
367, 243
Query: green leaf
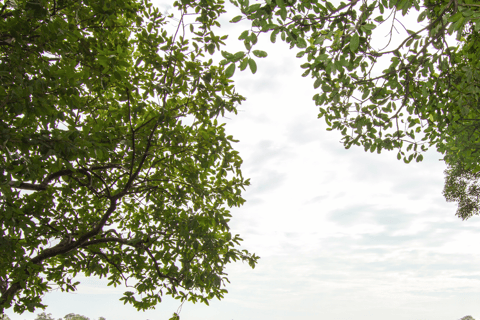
259, 53
17, 168
330, 6
300, 54
283, 13
323, 57
273, 36
243, 64
252, 65
354, 42
253, 38
455, 17
369, 26
254, 7
243, 35
230, 70
211, 48
422, 16
227, 55
238, 56
301, 43
236, 19
366, 93
175, 317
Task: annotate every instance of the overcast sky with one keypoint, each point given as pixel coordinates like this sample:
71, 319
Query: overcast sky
342, 234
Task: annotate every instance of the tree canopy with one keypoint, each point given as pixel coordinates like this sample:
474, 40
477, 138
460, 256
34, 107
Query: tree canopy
113, 162
426, 96
405, 94
70, 316
463, 187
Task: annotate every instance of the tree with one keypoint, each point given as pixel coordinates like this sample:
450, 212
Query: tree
113, 162
70, 316
429, 93
463, 187
73, 316
44, 316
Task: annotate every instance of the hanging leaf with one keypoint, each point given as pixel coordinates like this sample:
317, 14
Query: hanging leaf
354, 42
253, 65
301, 43
230, 70
236, 19
260, 54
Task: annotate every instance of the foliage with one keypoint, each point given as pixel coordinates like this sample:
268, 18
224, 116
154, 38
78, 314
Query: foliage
73, 316
175, 316
44, 316
70, 316
4, 317
462, 142
427, 94
112, 160
423, 91
463, 187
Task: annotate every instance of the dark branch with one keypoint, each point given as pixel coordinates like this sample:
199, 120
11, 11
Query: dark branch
66, 172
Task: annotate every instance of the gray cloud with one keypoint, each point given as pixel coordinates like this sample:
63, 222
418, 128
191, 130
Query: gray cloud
299, 133
268, 181
266, 152
393, 219
387, 239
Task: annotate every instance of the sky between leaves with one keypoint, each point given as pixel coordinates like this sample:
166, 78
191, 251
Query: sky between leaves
342, 234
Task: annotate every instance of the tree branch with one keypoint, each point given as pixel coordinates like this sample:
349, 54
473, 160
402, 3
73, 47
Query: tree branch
66, 172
